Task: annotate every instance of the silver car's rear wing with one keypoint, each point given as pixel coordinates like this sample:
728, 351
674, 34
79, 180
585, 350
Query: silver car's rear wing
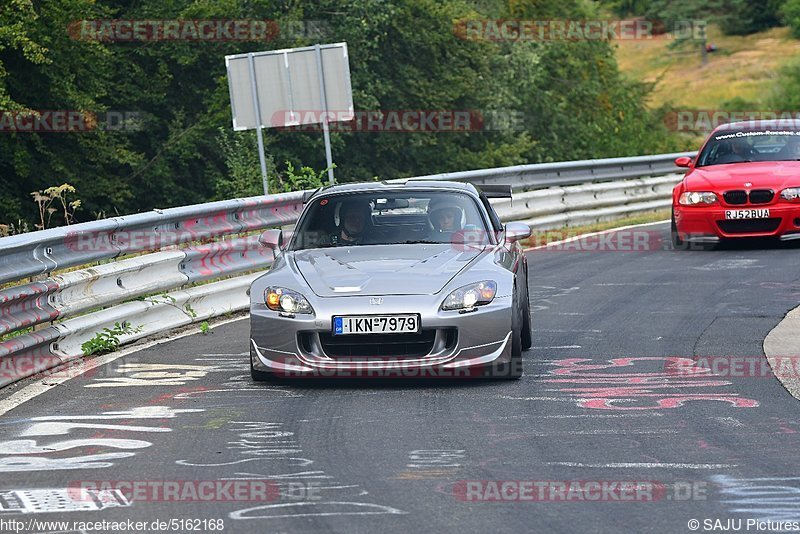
495, 191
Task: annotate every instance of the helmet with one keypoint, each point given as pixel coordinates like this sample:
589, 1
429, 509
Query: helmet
348, 206
354, 204
442, 204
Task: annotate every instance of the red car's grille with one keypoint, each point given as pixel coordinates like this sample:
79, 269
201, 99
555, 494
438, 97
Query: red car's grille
735, 197
761, 196
756, 196
749, 226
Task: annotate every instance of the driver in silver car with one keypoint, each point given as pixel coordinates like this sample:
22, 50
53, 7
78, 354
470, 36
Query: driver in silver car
354, 219
446, 216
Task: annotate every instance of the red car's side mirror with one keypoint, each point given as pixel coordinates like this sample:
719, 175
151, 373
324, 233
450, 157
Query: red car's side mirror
683, 161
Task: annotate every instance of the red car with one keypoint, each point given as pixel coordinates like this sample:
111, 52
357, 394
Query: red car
744, 182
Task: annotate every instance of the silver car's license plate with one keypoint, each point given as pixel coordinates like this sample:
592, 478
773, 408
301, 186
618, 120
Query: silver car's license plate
375, 324
747, 214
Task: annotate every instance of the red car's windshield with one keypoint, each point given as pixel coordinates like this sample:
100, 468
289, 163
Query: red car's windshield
740, 146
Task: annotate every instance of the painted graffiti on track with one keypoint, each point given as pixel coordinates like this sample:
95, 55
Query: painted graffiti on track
621, 383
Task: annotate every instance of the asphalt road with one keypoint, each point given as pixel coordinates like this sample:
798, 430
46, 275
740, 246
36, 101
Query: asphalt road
406, 456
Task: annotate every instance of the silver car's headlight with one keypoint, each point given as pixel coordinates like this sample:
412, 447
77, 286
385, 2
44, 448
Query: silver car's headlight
470, 296
697, 197
791, 193
285, 300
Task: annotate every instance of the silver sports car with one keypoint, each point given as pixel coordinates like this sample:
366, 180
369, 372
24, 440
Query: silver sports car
405, 279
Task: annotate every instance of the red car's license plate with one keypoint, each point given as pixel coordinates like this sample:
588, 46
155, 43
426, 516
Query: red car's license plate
746, 214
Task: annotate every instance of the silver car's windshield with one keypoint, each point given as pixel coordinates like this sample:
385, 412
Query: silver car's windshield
390, 218
744, 146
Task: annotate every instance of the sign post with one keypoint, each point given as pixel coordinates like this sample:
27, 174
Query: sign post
257, 113
292, 87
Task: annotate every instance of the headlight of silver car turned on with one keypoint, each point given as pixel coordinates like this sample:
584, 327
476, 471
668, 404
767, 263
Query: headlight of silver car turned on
791, 193
467, 298
696, 198
286, 301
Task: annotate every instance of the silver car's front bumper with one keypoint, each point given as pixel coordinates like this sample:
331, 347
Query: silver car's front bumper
463, 343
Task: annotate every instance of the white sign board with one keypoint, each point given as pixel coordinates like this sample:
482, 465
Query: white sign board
290, 87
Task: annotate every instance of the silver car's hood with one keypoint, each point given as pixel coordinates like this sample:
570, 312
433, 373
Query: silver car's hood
382, 269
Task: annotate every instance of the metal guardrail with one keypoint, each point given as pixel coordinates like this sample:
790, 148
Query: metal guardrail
545, 195
565, 173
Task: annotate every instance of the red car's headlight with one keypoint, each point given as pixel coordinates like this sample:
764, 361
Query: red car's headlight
791, 193
696, 198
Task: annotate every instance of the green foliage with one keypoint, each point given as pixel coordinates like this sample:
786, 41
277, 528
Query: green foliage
243, 177
791, 15
743, 17
20, 332
204, 328
786, 93
108, 339
735, 17
306, 178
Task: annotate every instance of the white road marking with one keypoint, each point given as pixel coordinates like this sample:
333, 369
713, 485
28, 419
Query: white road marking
568, 331
44, 385
344, 508
646, 465
604, 431
728, 421
728, 265
614, 284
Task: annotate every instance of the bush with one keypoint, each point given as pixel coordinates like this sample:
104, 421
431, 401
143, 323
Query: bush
791, 16
743, 17
786, 92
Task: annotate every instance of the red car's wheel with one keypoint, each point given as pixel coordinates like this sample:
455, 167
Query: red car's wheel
677, 242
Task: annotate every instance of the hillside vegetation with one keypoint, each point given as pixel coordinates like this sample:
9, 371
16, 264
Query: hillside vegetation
742, 72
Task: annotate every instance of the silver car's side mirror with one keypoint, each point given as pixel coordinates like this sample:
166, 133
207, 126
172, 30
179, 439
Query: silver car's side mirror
516, 231
272, 239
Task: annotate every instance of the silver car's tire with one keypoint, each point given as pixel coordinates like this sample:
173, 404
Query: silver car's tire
259, 376
513, 369
527, 334
517, 322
